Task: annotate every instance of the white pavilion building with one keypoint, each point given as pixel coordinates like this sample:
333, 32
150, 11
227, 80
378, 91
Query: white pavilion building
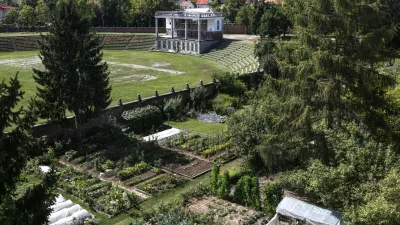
190, 31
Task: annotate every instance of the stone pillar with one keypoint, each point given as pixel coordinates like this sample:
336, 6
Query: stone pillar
172, 28
186, 29
199, 30
156, 28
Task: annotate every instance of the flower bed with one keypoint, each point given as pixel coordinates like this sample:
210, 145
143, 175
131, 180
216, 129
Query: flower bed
162, 183
211, 118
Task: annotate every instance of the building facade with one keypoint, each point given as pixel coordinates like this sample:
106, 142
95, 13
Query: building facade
190, 31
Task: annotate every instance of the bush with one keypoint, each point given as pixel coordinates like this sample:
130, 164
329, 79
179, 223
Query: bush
143, 119
131, 171
229, 83
224, 104
273, 194
174, 109
247, 192
199, 98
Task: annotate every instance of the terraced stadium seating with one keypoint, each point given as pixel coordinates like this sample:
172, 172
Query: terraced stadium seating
238, 56
110, 41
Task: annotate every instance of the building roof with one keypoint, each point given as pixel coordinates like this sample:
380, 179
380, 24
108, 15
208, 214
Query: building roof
304, 211
185, 3
202, 2
5, 6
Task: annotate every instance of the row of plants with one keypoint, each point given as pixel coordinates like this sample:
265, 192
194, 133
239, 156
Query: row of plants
134, 170
247, 190
100, 196
200, 144
162, 183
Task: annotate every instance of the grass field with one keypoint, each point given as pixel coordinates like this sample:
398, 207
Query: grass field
131, 72
199, 126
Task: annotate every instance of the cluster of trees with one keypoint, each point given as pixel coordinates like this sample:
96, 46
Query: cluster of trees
33, 13
327, 114
74, 79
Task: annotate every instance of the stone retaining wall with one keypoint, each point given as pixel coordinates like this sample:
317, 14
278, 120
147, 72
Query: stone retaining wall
54, 129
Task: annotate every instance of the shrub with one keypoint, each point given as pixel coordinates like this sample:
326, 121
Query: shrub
229, 83
131, 171
199, 98
143, 119
224, 104
174, 109
273, 194
247, 192
70, 154
224, 186
214, 177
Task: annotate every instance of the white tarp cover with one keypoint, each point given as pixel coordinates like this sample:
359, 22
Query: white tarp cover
76, 218
55, 216
59, 199
162, 135
62, 205
45, 169
274, 220
306, 212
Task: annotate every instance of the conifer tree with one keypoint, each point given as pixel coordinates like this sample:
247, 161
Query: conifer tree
16, 147
75, 79
224, 186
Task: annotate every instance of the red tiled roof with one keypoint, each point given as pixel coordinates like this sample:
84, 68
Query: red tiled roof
5, 6
202, 2
185, 3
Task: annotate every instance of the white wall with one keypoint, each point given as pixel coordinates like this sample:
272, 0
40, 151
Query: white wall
212, 24
168, 20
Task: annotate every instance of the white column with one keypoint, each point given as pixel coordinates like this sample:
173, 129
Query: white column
198, 30
156, 28
172, 27
186, 29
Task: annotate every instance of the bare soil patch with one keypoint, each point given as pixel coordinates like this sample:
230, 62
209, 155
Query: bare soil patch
193, 169
226, 212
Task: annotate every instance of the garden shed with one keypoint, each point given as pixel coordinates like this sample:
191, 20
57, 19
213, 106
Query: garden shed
308, 213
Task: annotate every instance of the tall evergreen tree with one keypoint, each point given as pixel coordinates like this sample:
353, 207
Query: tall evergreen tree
75, 79
16, 147
328, 78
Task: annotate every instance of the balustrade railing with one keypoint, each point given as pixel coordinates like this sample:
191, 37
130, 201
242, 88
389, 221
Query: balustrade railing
187, 14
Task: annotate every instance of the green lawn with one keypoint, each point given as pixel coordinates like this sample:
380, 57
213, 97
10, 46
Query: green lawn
131, 72
199, 126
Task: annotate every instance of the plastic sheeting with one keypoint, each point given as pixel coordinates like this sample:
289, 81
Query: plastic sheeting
76, 218
59, 199
162, 135
62, 205
64, 213
274, 220
306, 212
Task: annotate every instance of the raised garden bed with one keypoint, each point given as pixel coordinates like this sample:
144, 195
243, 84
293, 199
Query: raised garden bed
101, 196
193, 169
162, 183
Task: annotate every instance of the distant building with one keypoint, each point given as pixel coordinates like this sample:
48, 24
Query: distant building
202, 3
190, 31
4, 8
187, 5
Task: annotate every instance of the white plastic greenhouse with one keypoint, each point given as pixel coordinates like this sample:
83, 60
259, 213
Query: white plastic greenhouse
163, 135
311, 214
65, 212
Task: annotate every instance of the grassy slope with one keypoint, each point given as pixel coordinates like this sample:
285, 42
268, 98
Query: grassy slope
124, 87
198, 126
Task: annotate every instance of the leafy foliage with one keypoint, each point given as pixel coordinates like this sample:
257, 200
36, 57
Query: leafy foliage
131, 171
16, 147
273, 194
174, 109
143, 119
247, 192
199, 98
228, 83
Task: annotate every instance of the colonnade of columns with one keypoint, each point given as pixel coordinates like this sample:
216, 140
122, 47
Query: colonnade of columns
186, 29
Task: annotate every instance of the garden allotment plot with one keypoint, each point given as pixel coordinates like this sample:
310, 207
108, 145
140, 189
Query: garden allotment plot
131, 72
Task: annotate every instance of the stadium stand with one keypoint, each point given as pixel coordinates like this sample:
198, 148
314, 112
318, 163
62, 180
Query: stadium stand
238, 56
